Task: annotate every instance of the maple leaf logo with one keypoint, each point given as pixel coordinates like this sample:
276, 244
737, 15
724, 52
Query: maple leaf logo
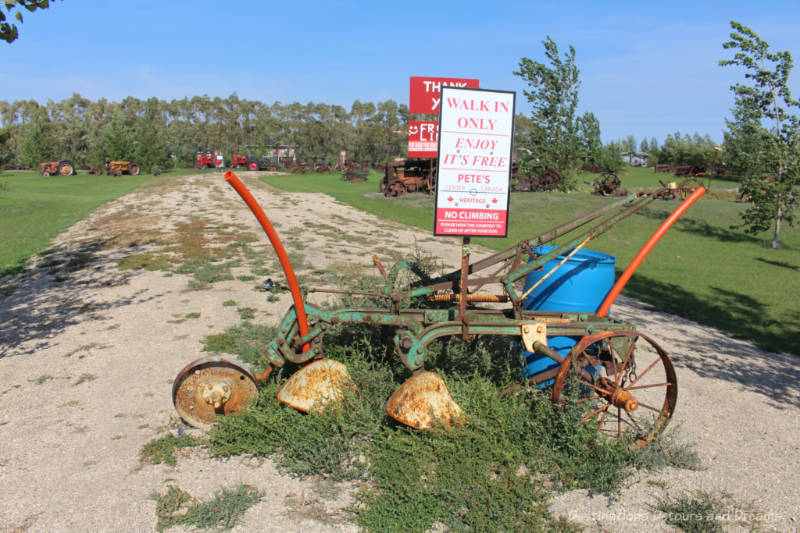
494, 200
449, 198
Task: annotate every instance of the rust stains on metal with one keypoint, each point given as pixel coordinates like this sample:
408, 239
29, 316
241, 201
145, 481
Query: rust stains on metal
212, 386
315, 385
470, 298
423, 401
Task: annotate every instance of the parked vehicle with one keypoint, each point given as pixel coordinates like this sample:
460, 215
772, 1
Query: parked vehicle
63, 167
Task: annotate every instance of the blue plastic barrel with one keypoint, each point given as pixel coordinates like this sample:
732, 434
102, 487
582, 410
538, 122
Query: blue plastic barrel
580, 284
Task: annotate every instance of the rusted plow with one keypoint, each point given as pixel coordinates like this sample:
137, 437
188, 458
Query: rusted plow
623, 378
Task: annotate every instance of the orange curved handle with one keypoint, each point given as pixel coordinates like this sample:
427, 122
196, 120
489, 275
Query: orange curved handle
299, 307
626, 275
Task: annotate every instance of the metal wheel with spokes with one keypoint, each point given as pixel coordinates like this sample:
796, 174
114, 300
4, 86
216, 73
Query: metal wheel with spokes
396, 188
624, 381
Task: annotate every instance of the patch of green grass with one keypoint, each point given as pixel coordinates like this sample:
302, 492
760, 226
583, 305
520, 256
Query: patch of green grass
206, 270
162, 449
246, 313
247, 341
706, 512
34, 209
222, 512
702, 269
229, 303
193, 315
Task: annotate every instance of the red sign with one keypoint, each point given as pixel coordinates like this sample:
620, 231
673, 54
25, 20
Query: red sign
474, 164
423, 138
424, 92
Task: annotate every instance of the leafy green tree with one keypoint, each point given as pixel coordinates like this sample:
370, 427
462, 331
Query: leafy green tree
9, 31
150, 153
589, 142
609, 157
117, 140
37, 144
553, 94
762, 142
5, 134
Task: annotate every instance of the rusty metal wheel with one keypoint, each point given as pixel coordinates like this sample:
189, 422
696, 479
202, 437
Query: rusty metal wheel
45, 173
624, 383
66, 168
133, 169
210, 387
396, 188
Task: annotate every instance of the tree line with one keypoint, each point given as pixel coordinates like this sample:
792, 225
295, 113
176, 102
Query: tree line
167, 134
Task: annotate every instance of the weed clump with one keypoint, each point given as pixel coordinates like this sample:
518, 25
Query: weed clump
162, 450
223, 511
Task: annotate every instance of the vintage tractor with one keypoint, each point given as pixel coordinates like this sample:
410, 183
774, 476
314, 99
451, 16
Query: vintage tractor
64, 167
238, 160
408, 175
118, 168
209, 160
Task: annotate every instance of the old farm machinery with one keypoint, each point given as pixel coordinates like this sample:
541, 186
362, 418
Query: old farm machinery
63, 167
622, 377
408, 175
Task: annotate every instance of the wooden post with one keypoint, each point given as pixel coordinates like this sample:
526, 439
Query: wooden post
464, 288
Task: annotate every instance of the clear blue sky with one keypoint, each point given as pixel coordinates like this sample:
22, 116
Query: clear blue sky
648, 68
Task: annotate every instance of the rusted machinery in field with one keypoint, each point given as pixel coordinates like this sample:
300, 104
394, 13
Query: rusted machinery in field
63, 167
408, 175
355, 172
117, 168
623, 378
608, 184
545, 179
673, 190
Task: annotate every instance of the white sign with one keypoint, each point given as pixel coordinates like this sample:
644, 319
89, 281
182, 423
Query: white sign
474, 164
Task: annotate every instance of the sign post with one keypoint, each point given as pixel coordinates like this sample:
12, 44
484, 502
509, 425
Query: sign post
474, 162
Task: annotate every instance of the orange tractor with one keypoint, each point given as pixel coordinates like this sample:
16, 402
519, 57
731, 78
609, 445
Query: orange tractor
63, 167
117, 168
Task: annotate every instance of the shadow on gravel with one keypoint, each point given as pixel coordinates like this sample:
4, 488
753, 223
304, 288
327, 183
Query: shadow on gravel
775, 375
37, 304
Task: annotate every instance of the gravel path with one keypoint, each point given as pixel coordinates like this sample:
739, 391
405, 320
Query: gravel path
87, 359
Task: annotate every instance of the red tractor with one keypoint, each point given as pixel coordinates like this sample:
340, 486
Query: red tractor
209, 160
238, 160
63, 167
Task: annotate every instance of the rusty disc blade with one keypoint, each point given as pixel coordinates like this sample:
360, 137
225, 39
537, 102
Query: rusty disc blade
315, 385
210, 387
423, 401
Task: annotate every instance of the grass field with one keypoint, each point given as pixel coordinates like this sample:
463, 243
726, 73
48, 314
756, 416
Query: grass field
702, 270
34, 209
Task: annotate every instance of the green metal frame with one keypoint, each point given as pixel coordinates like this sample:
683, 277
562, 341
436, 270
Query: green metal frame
416, 328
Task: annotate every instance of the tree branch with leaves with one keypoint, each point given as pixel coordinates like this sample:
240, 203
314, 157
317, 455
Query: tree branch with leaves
8, 30
762, 143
